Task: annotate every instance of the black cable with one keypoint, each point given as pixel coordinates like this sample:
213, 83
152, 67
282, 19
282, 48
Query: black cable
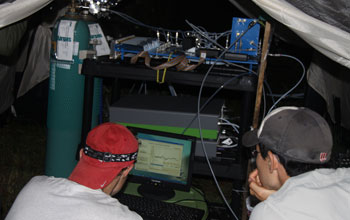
223, 85
211, 97
164, 30
134, 21
251, 24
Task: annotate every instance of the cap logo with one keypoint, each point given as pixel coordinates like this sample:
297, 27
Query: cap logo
108, 157
323, 156
102, 185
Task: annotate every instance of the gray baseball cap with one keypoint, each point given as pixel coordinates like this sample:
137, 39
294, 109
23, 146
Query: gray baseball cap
296, 133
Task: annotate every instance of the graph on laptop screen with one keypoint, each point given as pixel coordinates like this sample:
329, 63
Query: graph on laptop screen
164, 163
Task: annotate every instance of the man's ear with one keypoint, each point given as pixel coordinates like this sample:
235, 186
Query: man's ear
272, 161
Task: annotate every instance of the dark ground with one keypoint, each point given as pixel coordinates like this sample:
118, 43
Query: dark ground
22, 146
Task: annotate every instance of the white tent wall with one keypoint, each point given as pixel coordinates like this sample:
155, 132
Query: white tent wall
13, 25
38, 63
13, 11
325, 27
332, 81
329, 40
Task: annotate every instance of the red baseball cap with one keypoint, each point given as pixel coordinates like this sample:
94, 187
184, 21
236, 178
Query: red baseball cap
110, 147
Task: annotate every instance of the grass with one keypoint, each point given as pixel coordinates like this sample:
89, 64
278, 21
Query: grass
22, 146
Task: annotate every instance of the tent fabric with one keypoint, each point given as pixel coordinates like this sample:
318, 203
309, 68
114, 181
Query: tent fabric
7, 80
12, 35
325, 25
329, 40
12, 27
335, 13
11, 12
38, 66
9, 51
332, 81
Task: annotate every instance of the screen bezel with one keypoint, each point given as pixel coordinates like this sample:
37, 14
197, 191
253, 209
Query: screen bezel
161, 182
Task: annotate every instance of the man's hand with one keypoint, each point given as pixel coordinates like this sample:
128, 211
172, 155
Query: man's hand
256, 188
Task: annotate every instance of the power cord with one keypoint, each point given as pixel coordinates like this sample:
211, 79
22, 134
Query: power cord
296, 85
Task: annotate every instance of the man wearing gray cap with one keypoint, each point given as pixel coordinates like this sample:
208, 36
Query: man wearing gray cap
291, 144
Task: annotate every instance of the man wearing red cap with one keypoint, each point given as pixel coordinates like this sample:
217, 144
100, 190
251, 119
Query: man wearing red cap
104, 165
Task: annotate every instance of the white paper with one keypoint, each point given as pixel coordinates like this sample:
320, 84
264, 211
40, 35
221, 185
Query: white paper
97, 33
65, 40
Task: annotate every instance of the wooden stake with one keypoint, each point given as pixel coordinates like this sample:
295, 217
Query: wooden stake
263, 63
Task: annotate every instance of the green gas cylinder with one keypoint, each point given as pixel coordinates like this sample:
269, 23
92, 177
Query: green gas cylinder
66, 94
